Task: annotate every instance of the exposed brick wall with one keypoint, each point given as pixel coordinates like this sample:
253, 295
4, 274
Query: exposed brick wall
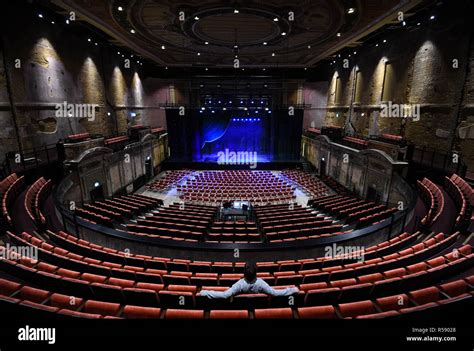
419, 70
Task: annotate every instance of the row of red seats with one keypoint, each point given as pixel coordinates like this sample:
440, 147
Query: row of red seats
462, 204
84, 247
356, 141
34, 198
79, 137
117, 139
15, 187
392, 137
311, 271
389, 306
311, 294
434, 197
6, 183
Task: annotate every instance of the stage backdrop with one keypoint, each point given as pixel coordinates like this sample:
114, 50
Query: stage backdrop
205, 136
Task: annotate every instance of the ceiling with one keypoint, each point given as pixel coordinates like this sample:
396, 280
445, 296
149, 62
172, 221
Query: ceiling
209, 33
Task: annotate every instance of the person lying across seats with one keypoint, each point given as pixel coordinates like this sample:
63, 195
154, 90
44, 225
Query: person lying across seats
250, 284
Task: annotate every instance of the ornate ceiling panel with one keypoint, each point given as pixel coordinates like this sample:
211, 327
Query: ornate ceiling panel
259, 33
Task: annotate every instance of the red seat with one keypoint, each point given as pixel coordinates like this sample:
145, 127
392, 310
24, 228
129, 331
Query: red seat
274, 313
353, 309
102, 308
32, 294
139, 312
184, 314
394, 302
229, 314
426, 295
65, 301
317, 312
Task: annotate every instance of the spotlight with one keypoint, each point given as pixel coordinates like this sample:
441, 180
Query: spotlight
96, 184
199, 54
404, 23
40, 15
309, 46
273, 54
283, 33
163, 47
108, 113
355, 52
385, 40
89, 40
203, 108
432, 17
120, 8
418, 24
224, 109
350, 10
338, 34
236, 46
206, 43
377, 44
265, 43
132, 31
236, 11
196, 18
52, 22
266, 108
67, 21
275, 19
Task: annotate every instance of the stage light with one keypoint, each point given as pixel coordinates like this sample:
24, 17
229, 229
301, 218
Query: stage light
96, 184
163, 47
241, 102
220, 102
230, 101
200, 111
266, 109
385, 40
404, 23
67, 21
256, 112
224, 109
262, 102
432, 17
206, 43
120, 8
253, 102
203, 108
265, 43
236, 11
275, 19
269, 111
132, 31
89, 39
196, 18
351, 10
40, 15
283, 34
338, 34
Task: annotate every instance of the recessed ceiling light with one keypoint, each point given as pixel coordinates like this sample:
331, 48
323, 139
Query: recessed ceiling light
432, 17
351, 10
196, 18
166, 67
40, 15
199, 54
118, 52
404, 23
52, 22
275, 19
283, 33
120, 8
418, 24
206, 43
207, 69
377, 44
96, 44
265, 43
338, 34
264, 69
132, 31
309, 46
236, 46
236, 11
385, 40
67, 21
89, 40
163, 47
355, 52
273, 54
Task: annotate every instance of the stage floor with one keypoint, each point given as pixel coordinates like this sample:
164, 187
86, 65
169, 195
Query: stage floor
214, 158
